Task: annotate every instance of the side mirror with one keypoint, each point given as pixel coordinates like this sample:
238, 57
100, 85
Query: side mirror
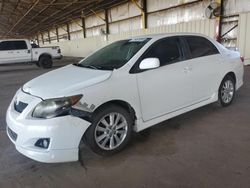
149, 63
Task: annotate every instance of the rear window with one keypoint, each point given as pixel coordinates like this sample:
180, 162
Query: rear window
13, 45
166, 50
19, 45
200, 46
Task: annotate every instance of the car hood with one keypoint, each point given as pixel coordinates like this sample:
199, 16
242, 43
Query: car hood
63, 81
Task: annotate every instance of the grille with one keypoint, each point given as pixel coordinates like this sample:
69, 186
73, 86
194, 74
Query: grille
12, 134
20, 106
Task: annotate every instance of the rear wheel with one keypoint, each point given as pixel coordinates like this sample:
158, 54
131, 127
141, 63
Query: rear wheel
45, 62
227, 91
110, 131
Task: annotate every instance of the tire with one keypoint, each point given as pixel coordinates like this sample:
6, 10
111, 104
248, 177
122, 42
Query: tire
45, 62
226, 91
105, 137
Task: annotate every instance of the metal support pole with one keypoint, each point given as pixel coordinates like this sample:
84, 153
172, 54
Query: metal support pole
49, 37
68, 32
144, 14
42, 38
106, 22
143, 9
83, 27
57, 35
219, 20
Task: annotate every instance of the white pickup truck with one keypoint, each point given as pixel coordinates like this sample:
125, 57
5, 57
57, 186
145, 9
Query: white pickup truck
21, 51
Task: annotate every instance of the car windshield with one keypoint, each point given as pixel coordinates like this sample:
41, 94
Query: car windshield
114, 55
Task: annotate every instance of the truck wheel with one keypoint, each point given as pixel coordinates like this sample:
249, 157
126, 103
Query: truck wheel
45, 62
111, 130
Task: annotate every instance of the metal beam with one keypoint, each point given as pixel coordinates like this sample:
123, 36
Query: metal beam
98, 16
231, 29
52, 15
27, 12
75, 11
1, 11
66, 17
40, 12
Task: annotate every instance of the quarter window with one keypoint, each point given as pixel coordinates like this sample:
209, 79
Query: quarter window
200, 46
166, 50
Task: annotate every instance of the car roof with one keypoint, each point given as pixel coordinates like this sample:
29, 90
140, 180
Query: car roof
163, 35
12, 40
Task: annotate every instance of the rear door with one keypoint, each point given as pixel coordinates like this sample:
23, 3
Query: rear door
205, 60
169, 87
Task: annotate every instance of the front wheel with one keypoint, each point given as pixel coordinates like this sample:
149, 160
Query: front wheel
227, 91
110, 131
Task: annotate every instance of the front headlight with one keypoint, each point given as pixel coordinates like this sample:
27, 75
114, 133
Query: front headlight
55, 107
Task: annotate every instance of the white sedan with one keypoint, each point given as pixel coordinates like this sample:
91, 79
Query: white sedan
129, 85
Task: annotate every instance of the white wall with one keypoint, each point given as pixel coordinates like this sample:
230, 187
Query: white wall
244, 36
83, 47
125, 22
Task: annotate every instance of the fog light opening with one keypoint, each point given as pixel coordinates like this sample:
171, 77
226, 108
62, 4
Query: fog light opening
43, 143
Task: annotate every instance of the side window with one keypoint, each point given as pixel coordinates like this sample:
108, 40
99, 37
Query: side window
166, 50
200, 46
5, 45
19, 45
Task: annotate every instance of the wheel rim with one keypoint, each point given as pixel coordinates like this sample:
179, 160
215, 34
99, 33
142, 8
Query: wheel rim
111, 131
227, 91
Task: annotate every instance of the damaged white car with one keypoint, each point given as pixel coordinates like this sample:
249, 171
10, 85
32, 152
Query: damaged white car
127, 86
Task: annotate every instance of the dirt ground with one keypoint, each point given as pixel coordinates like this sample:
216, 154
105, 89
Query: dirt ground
206, 148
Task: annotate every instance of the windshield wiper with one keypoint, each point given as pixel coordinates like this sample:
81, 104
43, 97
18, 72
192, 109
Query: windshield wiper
87, 66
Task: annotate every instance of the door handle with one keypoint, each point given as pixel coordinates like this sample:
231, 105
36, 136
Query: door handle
187, 69
28, 51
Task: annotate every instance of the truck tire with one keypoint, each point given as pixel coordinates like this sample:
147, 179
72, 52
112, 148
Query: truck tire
45, 62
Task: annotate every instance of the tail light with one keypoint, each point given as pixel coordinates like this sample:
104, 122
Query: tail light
242, 59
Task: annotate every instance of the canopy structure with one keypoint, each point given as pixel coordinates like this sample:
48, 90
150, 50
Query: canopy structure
25, 18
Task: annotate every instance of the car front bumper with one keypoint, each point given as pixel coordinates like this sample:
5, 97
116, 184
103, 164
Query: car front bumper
64, 133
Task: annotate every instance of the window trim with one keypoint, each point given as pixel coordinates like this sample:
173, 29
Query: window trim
135, 68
